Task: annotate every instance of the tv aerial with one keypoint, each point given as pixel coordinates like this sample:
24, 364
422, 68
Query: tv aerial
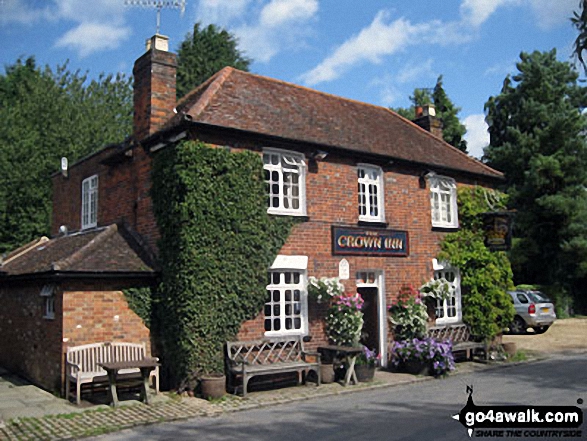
158, 4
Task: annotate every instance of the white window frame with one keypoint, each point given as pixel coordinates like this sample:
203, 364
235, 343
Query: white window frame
369, 182
48, 294
443, 201
281, 166
89, 202
442, 270
287, 265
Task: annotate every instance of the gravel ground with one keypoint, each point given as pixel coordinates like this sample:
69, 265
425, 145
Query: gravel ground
566, 335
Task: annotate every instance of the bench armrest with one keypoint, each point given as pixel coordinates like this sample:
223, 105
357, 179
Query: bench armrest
72, 368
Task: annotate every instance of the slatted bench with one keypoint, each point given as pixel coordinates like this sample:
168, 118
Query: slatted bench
82, 364
248, 359
460, 336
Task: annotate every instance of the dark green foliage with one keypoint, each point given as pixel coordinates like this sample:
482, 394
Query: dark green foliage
537, 138
453, 131
217, 242
485, 276
203, 53
45, 115
139, 300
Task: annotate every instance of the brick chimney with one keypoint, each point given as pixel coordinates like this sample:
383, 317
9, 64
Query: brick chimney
154, 87
427, 119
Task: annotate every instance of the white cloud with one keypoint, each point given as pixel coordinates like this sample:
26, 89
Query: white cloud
415, 71
476, 12
371, 44
21, 12
220, 12
278, 12
88, 38
280, 24
552, 13
477, 136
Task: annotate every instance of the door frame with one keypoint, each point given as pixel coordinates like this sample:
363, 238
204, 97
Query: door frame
379, 283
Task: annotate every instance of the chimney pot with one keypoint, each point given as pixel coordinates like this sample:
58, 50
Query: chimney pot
159, 42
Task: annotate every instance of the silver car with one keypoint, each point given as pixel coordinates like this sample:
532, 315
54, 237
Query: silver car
533, 310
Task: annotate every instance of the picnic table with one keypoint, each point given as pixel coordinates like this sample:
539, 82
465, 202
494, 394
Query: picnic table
349, 355
113, 368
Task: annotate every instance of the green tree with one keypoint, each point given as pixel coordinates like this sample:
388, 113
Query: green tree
45, 115
453, 131
203, 53
537, 138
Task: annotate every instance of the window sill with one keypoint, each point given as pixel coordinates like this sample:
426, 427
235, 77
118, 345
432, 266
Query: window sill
377, 224
445, 228
49, 317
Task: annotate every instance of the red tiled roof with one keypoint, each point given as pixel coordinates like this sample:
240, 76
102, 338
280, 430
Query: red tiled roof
244, 101
104, 250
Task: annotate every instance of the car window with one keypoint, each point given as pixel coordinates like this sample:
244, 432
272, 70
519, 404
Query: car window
538, 297
522, 298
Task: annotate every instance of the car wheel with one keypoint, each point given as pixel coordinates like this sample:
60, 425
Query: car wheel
541, 329
518, 326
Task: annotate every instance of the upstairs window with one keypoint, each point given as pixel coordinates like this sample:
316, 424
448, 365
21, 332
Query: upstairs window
443, 202
370, 193
90, 202
285, 174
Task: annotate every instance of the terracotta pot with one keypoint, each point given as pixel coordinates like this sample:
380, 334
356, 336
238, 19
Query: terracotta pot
364, 372
327, 373
509, 348
417, 367
213, 386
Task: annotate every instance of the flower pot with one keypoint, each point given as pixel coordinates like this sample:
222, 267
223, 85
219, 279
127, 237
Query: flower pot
327, 373
417, 367
509, 348
364, 372
213, 386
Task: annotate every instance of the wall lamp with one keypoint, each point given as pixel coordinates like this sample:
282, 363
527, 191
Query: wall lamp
319, 155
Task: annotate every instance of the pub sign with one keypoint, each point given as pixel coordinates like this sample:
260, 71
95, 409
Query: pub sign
369, 242
497, 230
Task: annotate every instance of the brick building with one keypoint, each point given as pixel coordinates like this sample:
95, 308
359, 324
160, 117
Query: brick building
376, 193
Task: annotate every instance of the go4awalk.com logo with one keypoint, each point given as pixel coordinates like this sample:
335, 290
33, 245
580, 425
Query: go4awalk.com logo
520, 421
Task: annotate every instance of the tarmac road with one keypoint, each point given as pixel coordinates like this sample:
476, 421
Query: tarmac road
419, 411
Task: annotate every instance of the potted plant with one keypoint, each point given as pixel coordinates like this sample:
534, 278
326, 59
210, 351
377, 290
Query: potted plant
423, 356
366, 364
432, 292
344, 320
408, 315
324, 288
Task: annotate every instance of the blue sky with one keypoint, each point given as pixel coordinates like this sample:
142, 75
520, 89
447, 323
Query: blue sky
374, 51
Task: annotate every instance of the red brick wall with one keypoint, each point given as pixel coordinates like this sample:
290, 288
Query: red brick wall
94, 313
30, 344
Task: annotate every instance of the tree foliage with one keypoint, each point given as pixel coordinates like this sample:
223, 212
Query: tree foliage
217, 242
537, 138
47, 114
485, 276
204, 52
453, 131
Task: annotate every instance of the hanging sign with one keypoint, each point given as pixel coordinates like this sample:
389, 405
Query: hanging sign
372, 242
497, 230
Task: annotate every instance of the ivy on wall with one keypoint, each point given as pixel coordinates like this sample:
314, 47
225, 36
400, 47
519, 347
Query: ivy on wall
139, 301
485, 276
217, 242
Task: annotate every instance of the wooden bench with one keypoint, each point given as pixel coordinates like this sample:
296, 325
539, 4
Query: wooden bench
248, 359
82, 364
460, 337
